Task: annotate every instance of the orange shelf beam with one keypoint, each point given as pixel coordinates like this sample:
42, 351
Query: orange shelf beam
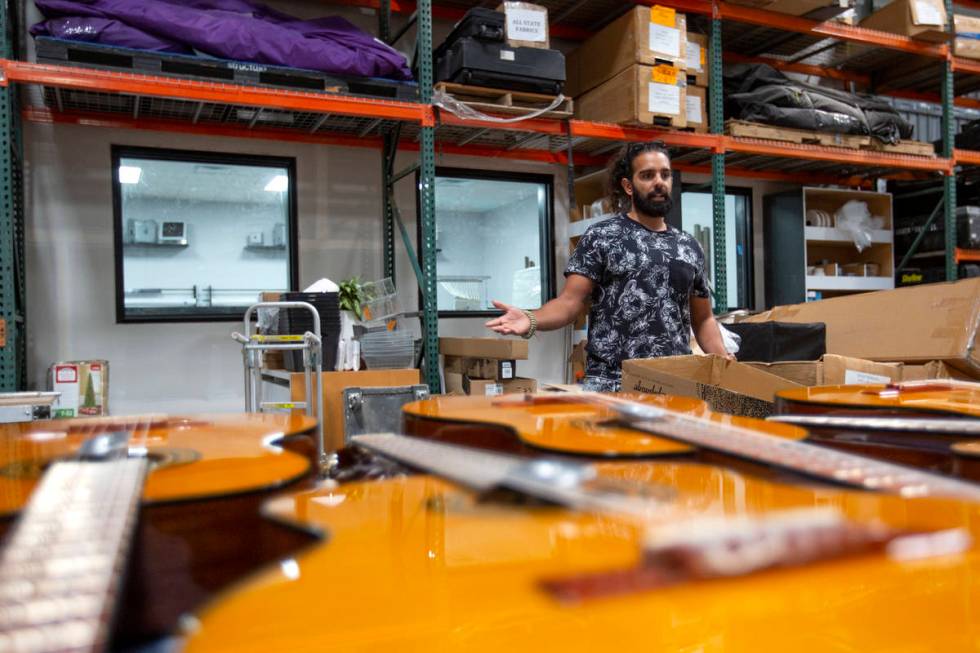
586, 129
966, 157
113, 121
185, 89
836, 154
967, 255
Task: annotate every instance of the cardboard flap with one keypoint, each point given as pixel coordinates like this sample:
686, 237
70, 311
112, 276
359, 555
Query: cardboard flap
747, 380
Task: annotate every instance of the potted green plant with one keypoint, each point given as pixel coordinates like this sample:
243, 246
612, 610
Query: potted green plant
352, 296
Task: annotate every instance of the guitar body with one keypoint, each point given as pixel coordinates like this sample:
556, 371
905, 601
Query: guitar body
561, 425
419, 564
923, 449
200, 525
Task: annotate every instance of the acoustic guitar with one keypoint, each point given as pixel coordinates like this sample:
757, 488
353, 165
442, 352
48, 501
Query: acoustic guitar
419, 563
922, 423
70, 498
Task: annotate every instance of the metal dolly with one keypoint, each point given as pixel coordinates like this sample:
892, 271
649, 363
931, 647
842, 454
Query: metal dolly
311, 344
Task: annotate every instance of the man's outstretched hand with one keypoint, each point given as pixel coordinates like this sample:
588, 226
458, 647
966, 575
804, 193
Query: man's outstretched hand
512, 323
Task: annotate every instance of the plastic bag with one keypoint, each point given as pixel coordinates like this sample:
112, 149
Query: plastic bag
445, 101
732, 340
854, 219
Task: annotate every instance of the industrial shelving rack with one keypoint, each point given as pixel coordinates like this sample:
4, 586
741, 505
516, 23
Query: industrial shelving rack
880, 62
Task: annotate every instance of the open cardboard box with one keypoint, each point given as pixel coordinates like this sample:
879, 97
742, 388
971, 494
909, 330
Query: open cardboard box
727, 386
917, 324
846, 370
834, 370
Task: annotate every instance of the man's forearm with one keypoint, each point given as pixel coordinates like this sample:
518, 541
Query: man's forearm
708, 334
556, 314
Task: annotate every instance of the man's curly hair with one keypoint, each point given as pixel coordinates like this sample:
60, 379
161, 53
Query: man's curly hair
621, 167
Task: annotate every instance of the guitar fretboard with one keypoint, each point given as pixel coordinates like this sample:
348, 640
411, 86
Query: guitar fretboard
806, 458
60, 569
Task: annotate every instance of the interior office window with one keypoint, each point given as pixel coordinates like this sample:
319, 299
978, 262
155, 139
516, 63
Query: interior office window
199, 235
493, 240
697, 220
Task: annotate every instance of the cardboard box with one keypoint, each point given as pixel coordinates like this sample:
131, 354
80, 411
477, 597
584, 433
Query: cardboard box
487, 387
728, 386
846, 370
84, 388
334, 384
481, 368
525, 25
647, 35
933, 370
500, 348
454, 383
639, 95
966, 43
917, 324
920, 19
697, 108
808, 373
696, 59
834, 370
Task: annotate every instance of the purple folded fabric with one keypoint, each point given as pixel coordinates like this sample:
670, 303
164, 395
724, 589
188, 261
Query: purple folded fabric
102, 30
245, 31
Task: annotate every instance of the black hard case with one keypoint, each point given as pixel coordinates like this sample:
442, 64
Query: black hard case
475, 62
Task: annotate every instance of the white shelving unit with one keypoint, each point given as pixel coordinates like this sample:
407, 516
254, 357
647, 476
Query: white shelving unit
852, 284
837, 246
832, 235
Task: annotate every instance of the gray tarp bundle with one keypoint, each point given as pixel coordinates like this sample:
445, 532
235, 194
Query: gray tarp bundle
760, 93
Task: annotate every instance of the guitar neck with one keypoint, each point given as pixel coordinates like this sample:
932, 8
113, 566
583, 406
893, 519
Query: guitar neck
805, 458
61, 567
946, 426
801, 457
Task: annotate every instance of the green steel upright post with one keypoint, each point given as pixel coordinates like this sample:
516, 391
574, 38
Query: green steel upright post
11, 224
389, 149
716, 122
427, 203
949, 137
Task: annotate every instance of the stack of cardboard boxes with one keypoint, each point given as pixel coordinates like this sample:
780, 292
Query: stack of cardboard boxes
643, 68
484, 366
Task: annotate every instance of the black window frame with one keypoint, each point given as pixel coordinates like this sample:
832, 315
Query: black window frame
546, 226
120, 152
748, 228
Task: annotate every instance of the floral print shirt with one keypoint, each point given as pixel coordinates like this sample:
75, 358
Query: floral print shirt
641, 297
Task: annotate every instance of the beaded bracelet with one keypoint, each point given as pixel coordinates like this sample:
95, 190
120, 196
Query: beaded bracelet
534, 325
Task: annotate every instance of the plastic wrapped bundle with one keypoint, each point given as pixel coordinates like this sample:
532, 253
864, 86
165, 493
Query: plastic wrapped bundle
760, 93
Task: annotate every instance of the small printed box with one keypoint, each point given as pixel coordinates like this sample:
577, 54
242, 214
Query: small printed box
84, 388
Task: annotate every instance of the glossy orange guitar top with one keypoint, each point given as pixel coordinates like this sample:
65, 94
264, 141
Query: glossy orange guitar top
417, 564
193, 458
576, 424
934, 397
420, 564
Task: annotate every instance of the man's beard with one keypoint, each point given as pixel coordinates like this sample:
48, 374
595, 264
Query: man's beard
652, 208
